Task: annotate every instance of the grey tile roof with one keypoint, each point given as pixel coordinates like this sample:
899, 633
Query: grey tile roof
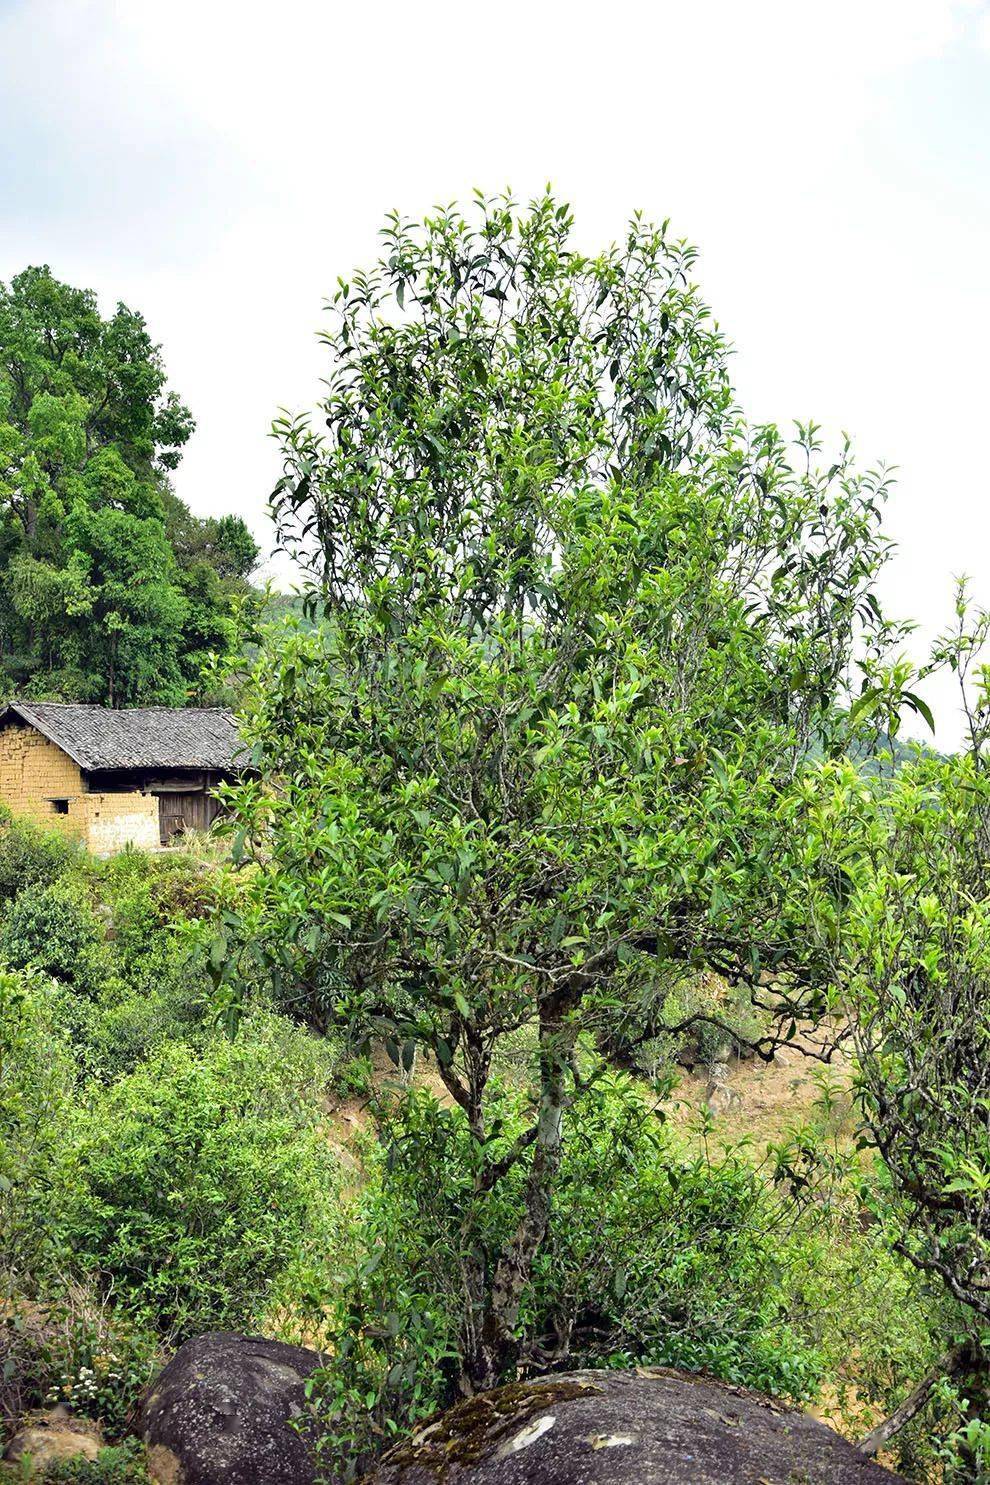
98, 737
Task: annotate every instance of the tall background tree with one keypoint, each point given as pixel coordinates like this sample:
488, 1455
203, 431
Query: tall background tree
110, 589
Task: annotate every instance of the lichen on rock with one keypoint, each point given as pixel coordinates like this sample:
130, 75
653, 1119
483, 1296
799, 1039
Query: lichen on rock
648, 1426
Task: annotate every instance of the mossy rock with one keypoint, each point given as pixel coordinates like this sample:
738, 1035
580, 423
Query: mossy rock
650, 1426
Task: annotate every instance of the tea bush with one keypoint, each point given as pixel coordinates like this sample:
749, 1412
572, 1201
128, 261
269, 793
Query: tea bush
154, 896
31, 856
657, 1254
37, 1081
194, 1178
133, 1016
653, 1255
53, 928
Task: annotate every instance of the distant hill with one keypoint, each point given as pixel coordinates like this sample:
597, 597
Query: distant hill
286, 606
889, 755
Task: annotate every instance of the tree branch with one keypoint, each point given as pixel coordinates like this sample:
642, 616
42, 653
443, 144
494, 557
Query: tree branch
950, 1365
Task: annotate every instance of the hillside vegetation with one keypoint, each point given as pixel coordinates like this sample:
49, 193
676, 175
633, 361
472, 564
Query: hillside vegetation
577, 824
160, 1180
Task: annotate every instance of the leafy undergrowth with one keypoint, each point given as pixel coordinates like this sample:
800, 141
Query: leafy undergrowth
158, 1179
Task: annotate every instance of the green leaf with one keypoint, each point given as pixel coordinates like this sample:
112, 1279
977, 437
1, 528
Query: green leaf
920, 706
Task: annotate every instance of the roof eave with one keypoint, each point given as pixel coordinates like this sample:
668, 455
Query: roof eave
27, 715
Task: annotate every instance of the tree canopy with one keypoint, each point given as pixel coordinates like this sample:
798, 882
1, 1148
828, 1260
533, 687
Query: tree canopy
112, 590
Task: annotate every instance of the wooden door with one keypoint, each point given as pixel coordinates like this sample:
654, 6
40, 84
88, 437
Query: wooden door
178, 813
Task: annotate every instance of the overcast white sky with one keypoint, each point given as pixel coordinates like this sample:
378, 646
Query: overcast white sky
217, 165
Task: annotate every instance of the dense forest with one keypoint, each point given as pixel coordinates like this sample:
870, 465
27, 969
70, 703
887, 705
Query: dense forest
110, 589
579, 819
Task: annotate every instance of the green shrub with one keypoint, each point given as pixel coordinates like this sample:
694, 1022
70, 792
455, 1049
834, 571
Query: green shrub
653, 1256
155, 987
30, 856
54, 929
663, 1256
355, 1078
119, 1464
161, 889
134, 957
965, 1456
391, 1368
388, 1317
195, 1178
136, 926
36, 1084
132, 1016
130, 979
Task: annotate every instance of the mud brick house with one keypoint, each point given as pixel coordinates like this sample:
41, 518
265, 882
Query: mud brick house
116, 778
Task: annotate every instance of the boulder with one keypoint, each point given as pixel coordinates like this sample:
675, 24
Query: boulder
650, 1426
50, 1438
222, 1413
